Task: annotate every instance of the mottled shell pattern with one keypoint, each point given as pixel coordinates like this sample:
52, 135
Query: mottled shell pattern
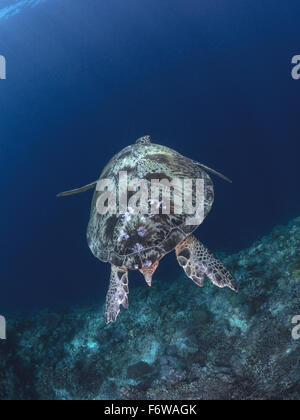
140, 240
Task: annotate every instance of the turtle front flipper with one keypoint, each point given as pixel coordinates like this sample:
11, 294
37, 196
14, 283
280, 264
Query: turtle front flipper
78, 190
197, 261
117, 293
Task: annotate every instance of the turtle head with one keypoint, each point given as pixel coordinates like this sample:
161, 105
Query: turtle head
144, 140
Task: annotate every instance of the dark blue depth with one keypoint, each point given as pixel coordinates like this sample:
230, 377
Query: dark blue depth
85, 79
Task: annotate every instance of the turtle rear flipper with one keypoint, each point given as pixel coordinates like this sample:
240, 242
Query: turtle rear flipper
117, 293
197, 261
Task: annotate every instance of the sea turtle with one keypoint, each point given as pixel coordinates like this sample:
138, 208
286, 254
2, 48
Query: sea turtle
131, 240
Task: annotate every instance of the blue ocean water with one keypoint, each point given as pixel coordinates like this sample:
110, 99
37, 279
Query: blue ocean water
85, 79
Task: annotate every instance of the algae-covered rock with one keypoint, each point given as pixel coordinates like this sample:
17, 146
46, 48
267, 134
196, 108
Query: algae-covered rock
177, 342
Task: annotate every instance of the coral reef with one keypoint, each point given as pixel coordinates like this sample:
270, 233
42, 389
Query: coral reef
177, 341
